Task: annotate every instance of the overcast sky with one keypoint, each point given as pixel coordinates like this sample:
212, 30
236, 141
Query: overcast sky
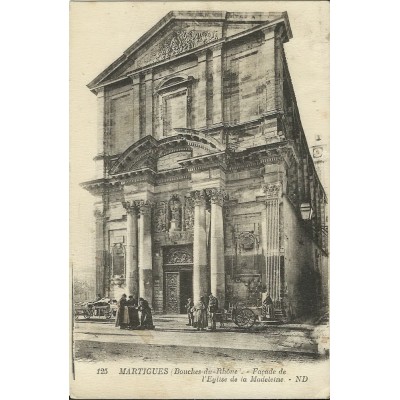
100, 32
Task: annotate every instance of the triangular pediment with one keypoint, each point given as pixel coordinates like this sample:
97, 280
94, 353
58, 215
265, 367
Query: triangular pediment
180, 32
175, 39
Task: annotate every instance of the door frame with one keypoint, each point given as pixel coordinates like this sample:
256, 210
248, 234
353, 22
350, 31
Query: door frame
175, 269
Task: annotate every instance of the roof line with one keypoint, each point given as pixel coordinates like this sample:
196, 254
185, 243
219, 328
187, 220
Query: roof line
176, 15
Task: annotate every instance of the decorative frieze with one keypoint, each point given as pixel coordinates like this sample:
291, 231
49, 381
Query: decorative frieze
176, 43
179, 237
179, 256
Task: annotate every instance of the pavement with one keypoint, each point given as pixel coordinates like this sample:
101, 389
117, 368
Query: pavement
99, 337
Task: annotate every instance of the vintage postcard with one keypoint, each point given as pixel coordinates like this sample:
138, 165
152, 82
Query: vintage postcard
199, 200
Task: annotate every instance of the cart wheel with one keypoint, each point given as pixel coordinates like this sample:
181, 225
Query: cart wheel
245, 318
87, 314
108, 315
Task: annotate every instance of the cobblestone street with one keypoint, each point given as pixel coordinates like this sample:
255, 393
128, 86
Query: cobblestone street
98, 339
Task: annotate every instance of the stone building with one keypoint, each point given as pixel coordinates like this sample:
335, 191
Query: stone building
205, 181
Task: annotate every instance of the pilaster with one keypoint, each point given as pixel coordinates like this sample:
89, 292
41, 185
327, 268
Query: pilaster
271, 237
149, 102
201, 95
217, 85
268, 57
136, 106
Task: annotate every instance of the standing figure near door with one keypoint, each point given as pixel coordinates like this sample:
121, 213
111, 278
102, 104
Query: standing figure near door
189, 305
200, 314
122, 318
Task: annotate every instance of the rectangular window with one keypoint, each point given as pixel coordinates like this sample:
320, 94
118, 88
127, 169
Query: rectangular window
175, 112
244, 81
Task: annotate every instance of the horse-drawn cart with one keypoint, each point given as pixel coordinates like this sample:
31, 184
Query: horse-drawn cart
101, 308
244, 316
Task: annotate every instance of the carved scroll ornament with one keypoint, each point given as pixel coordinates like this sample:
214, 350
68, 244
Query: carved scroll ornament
178, 42
179, 257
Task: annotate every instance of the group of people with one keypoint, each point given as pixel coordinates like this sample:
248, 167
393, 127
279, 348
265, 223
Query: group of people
202, 313
128, 314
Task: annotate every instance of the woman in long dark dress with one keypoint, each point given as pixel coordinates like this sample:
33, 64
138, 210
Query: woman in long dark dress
146, 319
133, 313
122, 318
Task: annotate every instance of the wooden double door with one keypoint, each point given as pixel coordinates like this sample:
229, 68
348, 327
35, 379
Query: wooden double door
178, 288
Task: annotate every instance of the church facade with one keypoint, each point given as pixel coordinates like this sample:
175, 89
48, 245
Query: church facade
205, 183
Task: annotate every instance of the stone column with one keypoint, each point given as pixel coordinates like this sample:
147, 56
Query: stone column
200, 282
271, 232
145, 253
149, 102
201, 95
217, 250
136, 106
132, 273
100, 254
217, 85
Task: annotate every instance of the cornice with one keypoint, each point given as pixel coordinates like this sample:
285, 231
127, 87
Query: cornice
205, 161
100, 80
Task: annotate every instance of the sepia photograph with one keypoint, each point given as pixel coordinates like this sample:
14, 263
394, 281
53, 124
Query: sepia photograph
199, 200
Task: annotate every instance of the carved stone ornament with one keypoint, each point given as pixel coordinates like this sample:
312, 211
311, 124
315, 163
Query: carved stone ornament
189, 214
179, 257
181, 236
272, 190
145, 206
160, 217
131, 206
98, 214
247, 241
217, 196
176, 43
199, 197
